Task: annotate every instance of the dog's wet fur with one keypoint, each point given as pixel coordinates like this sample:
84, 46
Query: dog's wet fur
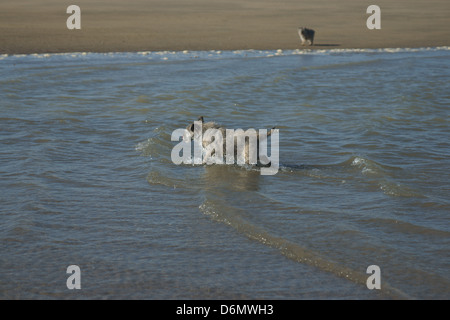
212, 125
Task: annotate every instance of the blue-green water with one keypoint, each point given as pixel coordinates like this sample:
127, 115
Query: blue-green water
86, 176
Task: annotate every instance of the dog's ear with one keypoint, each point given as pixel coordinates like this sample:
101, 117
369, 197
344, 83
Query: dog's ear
200, 119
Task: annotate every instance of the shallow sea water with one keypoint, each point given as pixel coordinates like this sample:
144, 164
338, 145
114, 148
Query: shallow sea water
86, 175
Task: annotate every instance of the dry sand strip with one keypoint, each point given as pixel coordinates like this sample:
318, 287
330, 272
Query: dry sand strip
154, 25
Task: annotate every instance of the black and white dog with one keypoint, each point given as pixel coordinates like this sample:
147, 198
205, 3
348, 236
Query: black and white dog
306, 35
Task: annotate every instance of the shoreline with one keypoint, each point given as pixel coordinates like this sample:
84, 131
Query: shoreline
276, 52
160, 48
204, 25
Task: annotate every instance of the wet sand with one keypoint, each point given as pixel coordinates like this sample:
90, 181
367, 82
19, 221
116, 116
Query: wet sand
153, 25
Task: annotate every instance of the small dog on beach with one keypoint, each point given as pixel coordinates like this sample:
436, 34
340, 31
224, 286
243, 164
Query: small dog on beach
306, 35
210, 133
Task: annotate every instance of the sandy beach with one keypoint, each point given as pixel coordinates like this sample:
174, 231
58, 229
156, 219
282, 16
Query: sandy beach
153, 25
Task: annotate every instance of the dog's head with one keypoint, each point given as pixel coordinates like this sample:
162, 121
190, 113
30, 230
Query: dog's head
191, 127
305, 31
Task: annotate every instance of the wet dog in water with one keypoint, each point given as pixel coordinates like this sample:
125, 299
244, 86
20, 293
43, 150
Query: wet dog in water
244, 145
306, 35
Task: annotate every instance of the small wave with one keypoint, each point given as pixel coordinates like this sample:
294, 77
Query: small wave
398, 190
370, 173
231, 216
383, 176
367, 166
182, 55
157, 146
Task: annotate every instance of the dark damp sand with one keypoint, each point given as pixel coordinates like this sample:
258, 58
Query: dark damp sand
153, 25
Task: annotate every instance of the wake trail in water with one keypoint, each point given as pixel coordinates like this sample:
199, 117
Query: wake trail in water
230, 216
